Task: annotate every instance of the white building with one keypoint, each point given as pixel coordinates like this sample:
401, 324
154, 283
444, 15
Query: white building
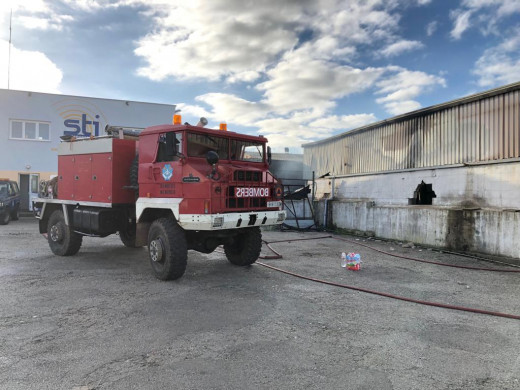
445, 176
32, 123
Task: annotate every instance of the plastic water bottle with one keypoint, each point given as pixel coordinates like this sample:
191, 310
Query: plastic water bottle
344, 260
353, 261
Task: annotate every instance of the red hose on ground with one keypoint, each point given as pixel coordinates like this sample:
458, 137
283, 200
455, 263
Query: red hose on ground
434, 304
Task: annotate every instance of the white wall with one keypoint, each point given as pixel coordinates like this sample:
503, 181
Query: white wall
487, 186
41, 156
475, 208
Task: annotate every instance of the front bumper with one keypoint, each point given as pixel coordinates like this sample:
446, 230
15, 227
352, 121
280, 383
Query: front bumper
231, 220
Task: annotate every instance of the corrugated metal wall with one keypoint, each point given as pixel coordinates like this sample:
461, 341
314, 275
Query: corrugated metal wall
481, 130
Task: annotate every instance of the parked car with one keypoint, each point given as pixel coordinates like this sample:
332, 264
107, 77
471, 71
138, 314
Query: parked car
9, 201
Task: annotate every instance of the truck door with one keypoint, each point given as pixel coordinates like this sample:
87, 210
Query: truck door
166, 170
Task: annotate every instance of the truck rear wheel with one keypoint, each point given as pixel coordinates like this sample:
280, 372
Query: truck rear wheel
63, 241
245, 247
15, 216
168, 249
5, 218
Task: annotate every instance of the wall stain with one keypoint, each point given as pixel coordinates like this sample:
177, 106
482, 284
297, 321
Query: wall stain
460, 232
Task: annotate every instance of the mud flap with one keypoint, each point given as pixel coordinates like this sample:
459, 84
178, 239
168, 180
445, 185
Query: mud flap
141, 233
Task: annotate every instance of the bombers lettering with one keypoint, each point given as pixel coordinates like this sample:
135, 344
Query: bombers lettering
254, 192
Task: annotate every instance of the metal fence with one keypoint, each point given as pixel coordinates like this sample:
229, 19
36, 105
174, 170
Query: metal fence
477, 128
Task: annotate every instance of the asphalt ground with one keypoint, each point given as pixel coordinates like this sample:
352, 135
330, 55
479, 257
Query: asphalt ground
100, 320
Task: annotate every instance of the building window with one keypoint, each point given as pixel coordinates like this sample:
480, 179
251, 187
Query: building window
30, 130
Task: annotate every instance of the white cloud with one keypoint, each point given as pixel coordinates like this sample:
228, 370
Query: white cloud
33, 15
30, 70
230, 108
54, 22
402, 107
193, 110
344, 122
486, 14
300, 82
501, 7
501, 64
223, 39
217, 39
461, 23
283, 132
400, 47
431, 28
401, 87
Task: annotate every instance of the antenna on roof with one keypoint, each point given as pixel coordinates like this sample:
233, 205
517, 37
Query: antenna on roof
9, 59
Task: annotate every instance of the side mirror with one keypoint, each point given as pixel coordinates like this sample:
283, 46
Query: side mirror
212, 157
269, 157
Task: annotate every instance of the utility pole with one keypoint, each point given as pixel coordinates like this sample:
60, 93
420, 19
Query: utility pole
9, 59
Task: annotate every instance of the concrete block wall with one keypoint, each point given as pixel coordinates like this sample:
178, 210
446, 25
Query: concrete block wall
475, 209
492, 232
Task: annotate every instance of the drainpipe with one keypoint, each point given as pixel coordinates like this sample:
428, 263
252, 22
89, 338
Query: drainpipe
326, 211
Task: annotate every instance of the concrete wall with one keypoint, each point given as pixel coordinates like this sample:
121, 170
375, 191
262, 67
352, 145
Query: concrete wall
477, 208
489, 185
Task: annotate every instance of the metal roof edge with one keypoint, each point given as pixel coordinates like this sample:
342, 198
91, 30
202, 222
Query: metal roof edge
86, 97
422, 111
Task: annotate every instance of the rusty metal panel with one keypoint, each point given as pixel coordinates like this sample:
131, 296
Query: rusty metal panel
420, 141
472, 131
491, 119
511, 124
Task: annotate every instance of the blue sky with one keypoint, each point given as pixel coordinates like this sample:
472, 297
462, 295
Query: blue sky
295, 71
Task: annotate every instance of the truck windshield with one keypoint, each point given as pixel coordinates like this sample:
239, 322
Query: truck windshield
200, 144
247, 151
4, 189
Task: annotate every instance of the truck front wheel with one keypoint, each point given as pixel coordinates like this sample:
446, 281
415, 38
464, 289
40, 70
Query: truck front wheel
63, 241
245, 247
168, 249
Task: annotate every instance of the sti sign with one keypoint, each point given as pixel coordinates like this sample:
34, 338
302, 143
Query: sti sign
81, 118
79, 127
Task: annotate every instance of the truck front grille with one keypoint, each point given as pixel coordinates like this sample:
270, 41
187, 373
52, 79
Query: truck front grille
253, 176
243, 203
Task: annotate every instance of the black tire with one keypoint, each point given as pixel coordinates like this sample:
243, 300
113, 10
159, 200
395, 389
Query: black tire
127, 236
245, 247
167, 249
134, 174
5, 218
15, 216
63, 241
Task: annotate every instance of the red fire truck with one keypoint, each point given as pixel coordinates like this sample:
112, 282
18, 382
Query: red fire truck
173, 188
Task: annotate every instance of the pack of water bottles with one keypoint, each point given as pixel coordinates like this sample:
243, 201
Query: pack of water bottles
351, 261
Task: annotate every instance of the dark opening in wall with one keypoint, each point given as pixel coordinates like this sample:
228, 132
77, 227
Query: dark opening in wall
423, 194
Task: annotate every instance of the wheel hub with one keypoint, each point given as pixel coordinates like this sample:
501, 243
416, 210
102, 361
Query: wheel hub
156, 250
55, 233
